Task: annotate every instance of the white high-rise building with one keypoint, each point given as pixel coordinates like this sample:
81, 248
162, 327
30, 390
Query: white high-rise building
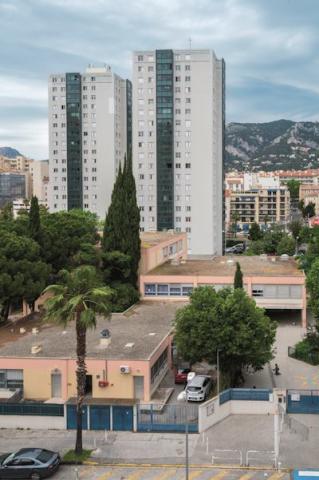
178, 144
89, 134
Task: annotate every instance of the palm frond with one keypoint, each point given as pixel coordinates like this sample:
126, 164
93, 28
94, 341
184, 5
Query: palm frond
55, 289
88, 318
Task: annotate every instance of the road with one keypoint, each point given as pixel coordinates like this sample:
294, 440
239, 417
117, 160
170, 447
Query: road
164, 473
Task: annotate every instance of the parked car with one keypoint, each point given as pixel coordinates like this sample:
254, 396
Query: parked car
181, 375
198, 388
239, 248
31, 463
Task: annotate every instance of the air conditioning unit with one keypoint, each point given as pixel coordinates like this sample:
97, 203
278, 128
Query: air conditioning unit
125, 369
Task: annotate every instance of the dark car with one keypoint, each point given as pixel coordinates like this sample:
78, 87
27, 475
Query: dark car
181, 375
31, 463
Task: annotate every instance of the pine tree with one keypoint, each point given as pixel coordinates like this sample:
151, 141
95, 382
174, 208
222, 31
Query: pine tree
34, 219
238, 279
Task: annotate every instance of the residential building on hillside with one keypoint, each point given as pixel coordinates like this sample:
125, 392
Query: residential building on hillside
244, 181
263, 206
303, 176
309, 193
39, 171
13, 186
89, 134
178, 144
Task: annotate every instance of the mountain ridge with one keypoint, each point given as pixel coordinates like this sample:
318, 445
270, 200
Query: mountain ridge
10, 152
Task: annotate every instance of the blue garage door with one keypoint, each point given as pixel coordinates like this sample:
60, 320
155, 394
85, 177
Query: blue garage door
122, 418
99, 417
71, 417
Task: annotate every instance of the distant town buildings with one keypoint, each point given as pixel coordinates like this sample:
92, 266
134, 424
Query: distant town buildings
89, 134
178, 144
13, 186
39, 171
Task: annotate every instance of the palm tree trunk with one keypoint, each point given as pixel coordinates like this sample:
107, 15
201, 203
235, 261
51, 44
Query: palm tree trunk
81, 380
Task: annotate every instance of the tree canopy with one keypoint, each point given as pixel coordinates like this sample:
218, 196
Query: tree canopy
228, 321
293, 187
238, 278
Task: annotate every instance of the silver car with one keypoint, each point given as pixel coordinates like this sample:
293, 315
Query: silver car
198, 388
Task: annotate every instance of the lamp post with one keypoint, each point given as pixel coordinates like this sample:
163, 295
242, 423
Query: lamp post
182, 397
218, 380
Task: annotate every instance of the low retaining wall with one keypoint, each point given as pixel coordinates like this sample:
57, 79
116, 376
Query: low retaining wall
32, 421
211, 412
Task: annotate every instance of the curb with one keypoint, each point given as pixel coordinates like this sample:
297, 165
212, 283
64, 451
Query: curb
182, 465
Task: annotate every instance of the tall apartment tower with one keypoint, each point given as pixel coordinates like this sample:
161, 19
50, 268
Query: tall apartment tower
90, 123
178, 144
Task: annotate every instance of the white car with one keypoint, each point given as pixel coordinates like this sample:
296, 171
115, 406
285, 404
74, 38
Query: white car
198, 388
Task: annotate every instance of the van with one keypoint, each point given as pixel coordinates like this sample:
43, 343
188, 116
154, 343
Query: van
198, 388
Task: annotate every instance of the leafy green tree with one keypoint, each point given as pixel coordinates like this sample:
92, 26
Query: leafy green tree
228, 321
34, 219
79, 298
238, 278
256, 248
313, 288
295, 227
272, 238
6, 213
66, 237
22, 273
287, 245
293, 187
255, 232
309, 210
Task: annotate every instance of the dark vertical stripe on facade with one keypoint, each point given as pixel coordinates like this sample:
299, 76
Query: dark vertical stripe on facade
74, 140
128, 116
223, 148
165, 138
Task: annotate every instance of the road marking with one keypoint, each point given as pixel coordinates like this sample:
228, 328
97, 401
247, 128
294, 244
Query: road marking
219, 475
84, 471
247, 476
166, 475
105, 476
195, 474
277, 476
136, 475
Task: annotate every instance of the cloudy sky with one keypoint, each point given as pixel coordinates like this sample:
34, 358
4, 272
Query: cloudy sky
270, 47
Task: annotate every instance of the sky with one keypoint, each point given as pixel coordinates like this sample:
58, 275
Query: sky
270, 48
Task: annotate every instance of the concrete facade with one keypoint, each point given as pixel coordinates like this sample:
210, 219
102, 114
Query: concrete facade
193, 167
39, 171
103, 126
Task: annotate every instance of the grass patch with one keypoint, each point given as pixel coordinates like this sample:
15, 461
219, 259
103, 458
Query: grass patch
71, 456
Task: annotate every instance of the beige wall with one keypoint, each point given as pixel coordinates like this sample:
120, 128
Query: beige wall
152, 256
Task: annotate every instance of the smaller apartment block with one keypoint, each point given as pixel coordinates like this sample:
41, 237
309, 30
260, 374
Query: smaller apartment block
271, 205
274, 283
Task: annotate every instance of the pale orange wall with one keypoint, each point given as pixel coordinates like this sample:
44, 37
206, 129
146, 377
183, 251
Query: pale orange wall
151, 257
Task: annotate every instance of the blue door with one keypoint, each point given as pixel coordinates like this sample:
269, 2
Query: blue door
122, 418
71, 417
99, 417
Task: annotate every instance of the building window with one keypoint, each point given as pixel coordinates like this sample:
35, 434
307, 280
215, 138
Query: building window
11, 378
258, 291
159, 365
150, 289
175, 290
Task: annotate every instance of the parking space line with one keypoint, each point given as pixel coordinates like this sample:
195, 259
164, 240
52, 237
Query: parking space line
247, 476
136, 475
277, 476
105, 476
166, 475
221, 474
84, 471
195, 474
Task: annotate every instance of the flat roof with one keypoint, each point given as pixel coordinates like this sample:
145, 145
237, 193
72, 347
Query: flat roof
134, 335
150, 239
225, 266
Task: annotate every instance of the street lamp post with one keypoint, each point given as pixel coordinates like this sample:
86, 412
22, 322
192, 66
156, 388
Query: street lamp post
182, 397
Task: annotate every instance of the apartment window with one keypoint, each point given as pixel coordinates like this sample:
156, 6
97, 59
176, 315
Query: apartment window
187, 144
187, 111
187, 78
141, 101
150, 101
141, 177
188, 208
141, 134
178, 209
150, 79
178, 155
178, 219
140, 144
187, 89
187, 133
188, 123
150, 68
141, 123
177, 89
177, 123
188, 229
177, 111
177, 100
151, 123
187, 219
258, 291
141, 80
141, 209
140, 165
93, 87
177, 79
187, 165
177, 165
141, 112
140, 58
187, 67
140, 68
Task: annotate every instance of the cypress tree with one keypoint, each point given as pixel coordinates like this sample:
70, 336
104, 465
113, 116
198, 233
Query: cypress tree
34, 219
112, 233
238, 279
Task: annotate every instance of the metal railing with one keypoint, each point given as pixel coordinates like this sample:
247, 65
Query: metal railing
37, 409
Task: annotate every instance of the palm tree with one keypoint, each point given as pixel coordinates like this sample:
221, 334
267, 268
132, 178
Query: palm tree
80, 297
